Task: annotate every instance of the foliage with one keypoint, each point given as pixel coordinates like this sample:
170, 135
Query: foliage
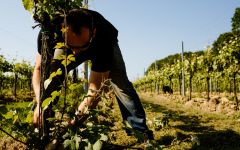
5, 66
215, 68
236, 20
51, 7
15, 77
88, 135
220, 42
170, 60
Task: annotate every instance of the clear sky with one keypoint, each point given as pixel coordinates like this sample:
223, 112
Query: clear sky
148, 30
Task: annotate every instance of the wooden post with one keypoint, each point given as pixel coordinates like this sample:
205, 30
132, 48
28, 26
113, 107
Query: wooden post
183, 82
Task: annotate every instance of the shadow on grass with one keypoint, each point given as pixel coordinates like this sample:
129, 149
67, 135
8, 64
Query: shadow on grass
219, 140
209, 137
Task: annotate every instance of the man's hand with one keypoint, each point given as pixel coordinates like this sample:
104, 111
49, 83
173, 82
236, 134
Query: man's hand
36, 115
95, 81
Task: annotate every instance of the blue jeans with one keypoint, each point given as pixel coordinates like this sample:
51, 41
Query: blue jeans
127, 97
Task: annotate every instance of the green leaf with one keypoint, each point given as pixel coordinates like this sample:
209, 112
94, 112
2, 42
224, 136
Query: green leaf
28, 5
55, 94
72, 145
15, 119
77, 141
46, 83
29, 117
89, 124
30, 104
67, 143
52, 75
98, 145
64, 30
64, 62
71, 57
73, 86
59, 71
46, 102
104, 137
89, 145
127, 124
9, 115
59, 45
66, 135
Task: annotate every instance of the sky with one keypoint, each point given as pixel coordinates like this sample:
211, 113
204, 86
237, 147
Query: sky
148, 30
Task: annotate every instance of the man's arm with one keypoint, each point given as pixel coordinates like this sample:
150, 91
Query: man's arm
95, 81
36, 77
36, 85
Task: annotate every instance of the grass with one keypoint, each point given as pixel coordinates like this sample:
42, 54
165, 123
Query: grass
14, 105
187, 125
213, 130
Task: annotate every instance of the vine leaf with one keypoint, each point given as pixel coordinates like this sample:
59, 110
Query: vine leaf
59, 45
9, 115
67, 143
29, 117
64, 30
15, 119
53, 74
28, 5
73, 86
99, 143
46, 102
70, 58
77, 140
58, 72
46, 83
55, 94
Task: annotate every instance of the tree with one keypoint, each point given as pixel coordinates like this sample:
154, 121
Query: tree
230, 59
236, 20
205, 65
191, 68
220, 42
178, 74
159, 64
26, 69
5, 66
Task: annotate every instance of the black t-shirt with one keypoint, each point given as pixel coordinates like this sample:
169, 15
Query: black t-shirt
100, 51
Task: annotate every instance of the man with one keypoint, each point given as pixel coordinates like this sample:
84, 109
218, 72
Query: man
91, 37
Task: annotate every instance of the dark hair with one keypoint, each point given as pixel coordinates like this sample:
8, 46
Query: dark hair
78, 18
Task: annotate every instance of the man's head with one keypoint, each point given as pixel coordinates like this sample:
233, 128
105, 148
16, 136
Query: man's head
79, 18
80, 29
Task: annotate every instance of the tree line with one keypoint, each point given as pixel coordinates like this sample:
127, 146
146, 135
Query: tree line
214, 69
